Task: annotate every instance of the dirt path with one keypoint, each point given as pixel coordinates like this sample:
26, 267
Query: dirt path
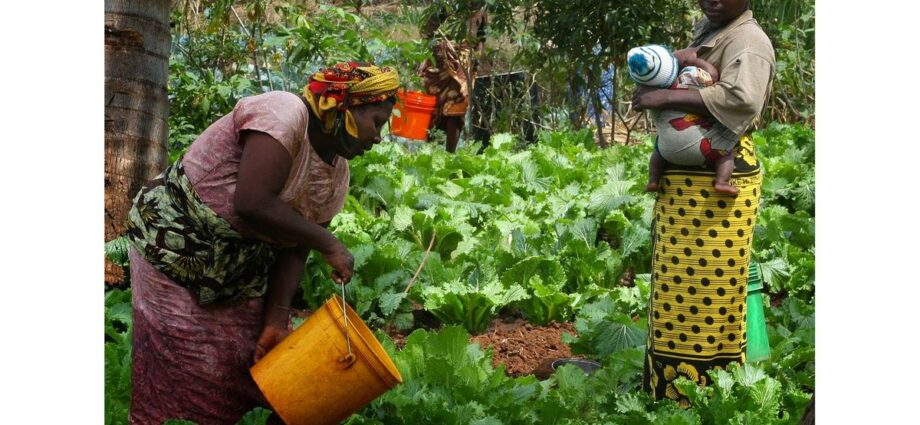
523, 348
526, 349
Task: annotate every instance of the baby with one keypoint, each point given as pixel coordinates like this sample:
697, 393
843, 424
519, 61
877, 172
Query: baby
684, 138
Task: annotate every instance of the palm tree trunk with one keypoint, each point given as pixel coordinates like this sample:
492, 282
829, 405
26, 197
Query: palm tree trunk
137, 43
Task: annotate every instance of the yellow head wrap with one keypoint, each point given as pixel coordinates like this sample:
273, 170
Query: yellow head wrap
333, 90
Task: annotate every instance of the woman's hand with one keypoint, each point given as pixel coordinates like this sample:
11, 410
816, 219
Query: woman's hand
341, 261
648, 98
271, 336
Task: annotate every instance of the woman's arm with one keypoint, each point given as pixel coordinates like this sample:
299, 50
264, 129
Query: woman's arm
682, 100
285, 276
263, 170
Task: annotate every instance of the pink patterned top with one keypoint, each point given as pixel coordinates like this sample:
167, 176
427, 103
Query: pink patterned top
315, 189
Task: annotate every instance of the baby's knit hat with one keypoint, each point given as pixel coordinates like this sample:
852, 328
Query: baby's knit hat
652, 65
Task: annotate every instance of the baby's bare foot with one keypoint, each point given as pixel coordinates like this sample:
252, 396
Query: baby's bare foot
651, 186
726, 188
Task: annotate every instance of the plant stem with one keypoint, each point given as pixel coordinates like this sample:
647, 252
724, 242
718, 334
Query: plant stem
422, 264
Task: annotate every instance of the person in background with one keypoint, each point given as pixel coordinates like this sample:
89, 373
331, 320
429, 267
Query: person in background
219, 240
450, 77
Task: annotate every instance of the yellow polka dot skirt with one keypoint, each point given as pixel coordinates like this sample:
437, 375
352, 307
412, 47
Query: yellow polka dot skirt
702, 245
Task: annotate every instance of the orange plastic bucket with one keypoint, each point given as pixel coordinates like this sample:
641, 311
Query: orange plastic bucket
415, 109
309, 378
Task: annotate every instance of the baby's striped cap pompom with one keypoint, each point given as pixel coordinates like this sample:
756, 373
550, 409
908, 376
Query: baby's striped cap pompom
652, 65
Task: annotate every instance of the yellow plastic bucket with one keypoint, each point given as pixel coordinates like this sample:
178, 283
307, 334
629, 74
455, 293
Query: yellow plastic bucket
310, 378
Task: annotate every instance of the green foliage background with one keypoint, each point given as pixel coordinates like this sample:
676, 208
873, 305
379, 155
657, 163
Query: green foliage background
224, 50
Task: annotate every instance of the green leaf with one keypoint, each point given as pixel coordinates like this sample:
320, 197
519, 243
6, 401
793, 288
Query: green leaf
296, 322
748, 375
584, 230
121, 313
404, 321
223, 90
618, 335
511, 294
723, 381
610, 197
390, 301
766, 394
361, 254
501, 142
630, 403
466, 246
116, 250
774, 271
634, 240
451, 189
257, 416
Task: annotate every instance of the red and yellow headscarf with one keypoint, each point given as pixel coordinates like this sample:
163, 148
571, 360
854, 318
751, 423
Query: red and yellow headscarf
333, 90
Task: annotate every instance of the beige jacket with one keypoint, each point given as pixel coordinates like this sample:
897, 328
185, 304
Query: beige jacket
744, 57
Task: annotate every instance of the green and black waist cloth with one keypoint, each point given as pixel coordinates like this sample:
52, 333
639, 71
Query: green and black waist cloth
187, 241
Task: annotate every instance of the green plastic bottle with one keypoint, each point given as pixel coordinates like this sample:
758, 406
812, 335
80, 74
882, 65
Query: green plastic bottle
758, 345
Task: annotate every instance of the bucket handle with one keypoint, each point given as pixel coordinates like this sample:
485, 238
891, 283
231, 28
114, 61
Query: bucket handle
349, 359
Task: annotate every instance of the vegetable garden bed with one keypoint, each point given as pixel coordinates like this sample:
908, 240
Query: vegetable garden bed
519, 246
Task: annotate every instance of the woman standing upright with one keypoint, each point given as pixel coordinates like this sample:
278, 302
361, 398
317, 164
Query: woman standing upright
702, 243
451, 75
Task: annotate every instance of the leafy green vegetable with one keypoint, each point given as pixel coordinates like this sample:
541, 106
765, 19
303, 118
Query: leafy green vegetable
118, 324
548, 230
470, 306
116, 250
742, 395
257, 416
604, 329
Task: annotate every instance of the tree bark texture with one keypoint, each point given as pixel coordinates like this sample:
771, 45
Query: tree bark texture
137, 43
